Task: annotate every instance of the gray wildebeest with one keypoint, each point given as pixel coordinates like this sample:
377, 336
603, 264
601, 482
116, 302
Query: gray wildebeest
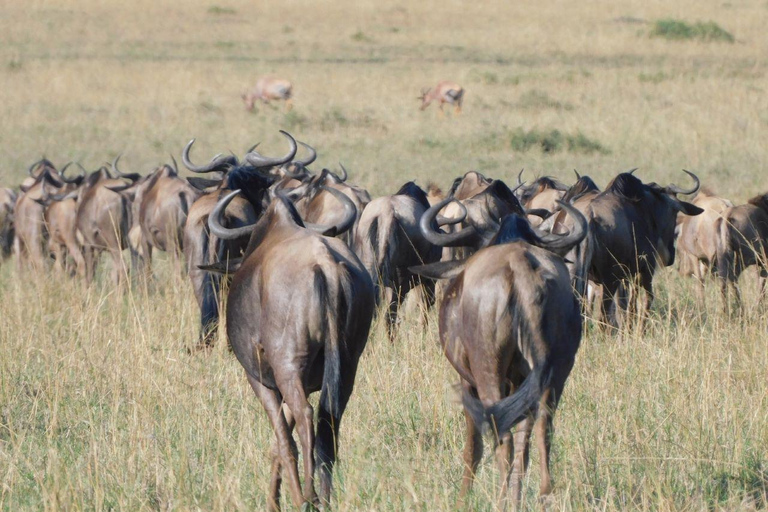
742, 242
697, 236
7, 203
510, 325
201, 247
444, 92
388, 241
631, 231
298, 314
542, 194
268, 89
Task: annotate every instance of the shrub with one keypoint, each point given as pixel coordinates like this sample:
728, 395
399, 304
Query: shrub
215, 9
678, 30
553, 141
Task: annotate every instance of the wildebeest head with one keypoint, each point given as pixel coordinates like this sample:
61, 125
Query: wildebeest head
659, 205
527, 192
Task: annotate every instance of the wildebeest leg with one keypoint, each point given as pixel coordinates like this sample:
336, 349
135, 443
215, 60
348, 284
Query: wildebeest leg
543, 429
276, 480
607, 308
296, 398
58, 256
521, 438
390, 301
619, 307
473, 451
77, 255
117, 265
647, 283
491, 389
272, 403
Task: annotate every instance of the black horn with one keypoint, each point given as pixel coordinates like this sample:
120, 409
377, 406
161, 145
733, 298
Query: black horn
258, 160
214, 220
217, 163
674, 189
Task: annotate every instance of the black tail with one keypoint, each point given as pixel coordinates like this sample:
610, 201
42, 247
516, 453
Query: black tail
508, 412
211, 286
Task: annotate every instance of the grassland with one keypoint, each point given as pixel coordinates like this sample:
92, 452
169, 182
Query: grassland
102, 408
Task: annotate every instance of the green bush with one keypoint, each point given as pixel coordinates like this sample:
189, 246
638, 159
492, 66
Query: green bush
554, 141
678, 30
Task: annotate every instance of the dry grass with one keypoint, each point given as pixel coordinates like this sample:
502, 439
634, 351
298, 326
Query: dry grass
102, 408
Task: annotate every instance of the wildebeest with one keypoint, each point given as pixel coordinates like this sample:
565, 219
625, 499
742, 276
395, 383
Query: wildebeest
28, 245
742, 242
510, 325
632, 230
444, 92
161, 201
317, 205
103, 221
61, 223
7, 203
542, 194
698, 235
388, 241
203, 248
298, 314
268, 89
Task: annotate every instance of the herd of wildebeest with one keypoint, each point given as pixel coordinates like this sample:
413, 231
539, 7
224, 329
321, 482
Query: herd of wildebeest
308, 257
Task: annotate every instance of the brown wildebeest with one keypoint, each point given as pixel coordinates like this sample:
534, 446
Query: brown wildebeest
632, 230
742, 241
480, 203
160, 205
61, 223
698, 236
298, 314
388, 241
317, 205
103, 221
203, 248
542, 194
28, 246
7, 203
444, 92
510, 325
268, 89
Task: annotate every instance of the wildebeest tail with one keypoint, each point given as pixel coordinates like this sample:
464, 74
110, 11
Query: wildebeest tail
508, 412
725, 250
582, 260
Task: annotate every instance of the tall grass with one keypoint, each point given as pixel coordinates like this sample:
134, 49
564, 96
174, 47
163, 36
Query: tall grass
101, 406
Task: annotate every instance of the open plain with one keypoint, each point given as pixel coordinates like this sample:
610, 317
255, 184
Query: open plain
101, 405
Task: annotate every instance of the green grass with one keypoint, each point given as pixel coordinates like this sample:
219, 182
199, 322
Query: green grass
678, 30
553, 141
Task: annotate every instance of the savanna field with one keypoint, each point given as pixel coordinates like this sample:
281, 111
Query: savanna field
102, 407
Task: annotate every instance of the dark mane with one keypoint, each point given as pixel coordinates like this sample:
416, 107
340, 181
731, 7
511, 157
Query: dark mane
761, 201
502, 191
514, 227
415, 192
581, 187
627, 186
253, 183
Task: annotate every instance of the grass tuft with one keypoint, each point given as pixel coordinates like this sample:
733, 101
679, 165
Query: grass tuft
678, 30
219, 10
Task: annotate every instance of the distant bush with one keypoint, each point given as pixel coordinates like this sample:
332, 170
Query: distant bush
554, 141
653, 78
678, 30
361, 37
535, 99
216, 9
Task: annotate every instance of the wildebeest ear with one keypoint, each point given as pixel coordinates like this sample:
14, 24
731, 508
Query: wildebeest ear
440, 270
688, 208
24, 189
223, 267
203, 183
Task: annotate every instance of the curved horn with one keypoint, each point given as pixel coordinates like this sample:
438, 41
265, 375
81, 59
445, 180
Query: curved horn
309, 159
34, 165
257, 160
632, 171
133, 176
561, 244
214, 220
77, 179
344, 174
175, 165
677, 190
466, 237
350, 214
252, 148
447, 221
299, 174
215, 164
520, 178
578, 176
